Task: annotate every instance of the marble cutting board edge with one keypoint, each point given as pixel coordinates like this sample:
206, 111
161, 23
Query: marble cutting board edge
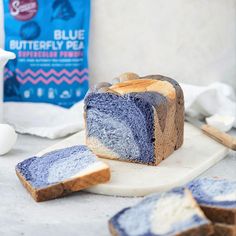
197, 154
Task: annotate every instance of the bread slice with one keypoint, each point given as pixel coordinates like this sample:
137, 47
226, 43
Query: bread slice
171, 213
61, 172
224, 230
217, 198
137, 119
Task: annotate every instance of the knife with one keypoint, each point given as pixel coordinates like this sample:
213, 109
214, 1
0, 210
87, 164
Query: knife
221, 137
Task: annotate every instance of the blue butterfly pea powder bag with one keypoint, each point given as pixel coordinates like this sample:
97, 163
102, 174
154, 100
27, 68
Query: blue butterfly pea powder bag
50, 40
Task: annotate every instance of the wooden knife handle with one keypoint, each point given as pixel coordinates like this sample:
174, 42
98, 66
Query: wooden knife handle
223, 138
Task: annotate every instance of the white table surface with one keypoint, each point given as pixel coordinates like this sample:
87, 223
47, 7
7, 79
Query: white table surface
81, 214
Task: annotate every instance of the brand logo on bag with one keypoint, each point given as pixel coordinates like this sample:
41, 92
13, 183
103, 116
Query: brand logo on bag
23, 9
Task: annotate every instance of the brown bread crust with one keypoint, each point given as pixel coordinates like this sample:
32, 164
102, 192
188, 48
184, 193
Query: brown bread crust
224, 230
220, 215
165, 140
204, 230
179, 114
170, 138
66, 187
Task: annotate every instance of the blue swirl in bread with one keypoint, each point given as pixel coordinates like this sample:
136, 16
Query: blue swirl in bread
62, 171
217, 199
214, 192
171, 213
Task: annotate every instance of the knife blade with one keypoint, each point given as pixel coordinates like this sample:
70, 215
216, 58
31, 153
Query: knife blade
221, 137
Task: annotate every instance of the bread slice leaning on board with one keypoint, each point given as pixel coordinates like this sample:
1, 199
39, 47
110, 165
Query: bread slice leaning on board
61, 172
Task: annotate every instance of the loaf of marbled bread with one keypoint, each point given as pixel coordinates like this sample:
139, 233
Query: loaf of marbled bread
61, 172
216, 197
136, 119
165, 214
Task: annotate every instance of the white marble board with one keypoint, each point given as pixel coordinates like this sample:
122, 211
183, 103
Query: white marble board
198, 153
